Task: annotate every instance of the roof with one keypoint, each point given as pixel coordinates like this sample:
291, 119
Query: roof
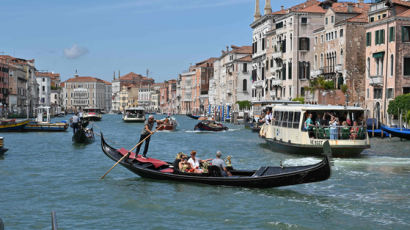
107, 83
241, 49
133, 76
85, 79
304, 107
247, 58
338, 7
14, 60
401, 2
47, 74
405, 14
207, 61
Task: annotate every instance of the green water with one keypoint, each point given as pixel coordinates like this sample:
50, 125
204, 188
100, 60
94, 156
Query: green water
42, 172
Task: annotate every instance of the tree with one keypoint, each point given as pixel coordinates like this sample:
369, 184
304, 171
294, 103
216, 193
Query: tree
400, 104
244, 104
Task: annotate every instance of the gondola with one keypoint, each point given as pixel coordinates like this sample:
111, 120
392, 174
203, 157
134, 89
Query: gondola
210, 126
193, 116
397, 132
377, 133
83, 135
264, 177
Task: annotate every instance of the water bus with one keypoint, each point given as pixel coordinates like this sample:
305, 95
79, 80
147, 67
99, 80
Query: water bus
10, 125
92, 114
344, 127
134, 114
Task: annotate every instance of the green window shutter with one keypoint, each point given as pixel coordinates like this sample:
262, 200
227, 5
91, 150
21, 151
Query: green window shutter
391, 35
402, 33
368, 39
376, 39
382, 37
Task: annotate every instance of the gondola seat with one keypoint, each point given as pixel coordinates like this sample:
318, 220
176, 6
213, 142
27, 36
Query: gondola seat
214, 171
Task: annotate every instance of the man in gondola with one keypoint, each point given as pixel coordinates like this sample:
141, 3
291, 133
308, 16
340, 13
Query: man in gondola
221, 164
74, 122
146, 131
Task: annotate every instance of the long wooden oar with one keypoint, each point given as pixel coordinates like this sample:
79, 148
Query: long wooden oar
122, 158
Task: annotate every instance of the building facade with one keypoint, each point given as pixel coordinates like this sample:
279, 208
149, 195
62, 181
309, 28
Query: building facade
387, 55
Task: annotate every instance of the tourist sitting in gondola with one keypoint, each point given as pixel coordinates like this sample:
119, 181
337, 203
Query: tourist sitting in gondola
195, 162
184, 166
221, 164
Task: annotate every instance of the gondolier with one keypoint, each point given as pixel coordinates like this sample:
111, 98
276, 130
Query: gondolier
147, 130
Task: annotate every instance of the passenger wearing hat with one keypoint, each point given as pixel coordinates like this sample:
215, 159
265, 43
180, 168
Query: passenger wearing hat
221, 164
146, 131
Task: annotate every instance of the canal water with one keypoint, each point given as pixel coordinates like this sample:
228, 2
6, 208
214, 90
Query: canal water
44, 172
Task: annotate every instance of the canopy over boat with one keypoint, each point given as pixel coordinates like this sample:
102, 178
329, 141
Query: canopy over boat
264, 177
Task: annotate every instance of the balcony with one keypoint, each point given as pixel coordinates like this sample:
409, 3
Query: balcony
376, 80
339, 68
315, 73
258, 84
329, 70
276, 82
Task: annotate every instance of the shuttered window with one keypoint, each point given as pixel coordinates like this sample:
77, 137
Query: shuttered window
391, 34
368, 39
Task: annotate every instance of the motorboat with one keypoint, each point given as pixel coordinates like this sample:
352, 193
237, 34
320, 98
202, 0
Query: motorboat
134, 114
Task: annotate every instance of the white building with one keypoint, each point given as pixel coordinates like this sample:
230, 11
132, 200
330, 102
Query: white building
81, 92
44, 90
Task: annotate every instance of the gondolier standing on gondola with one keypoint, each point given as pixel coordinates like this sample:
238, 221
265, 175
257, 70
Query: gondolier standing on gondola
147, 130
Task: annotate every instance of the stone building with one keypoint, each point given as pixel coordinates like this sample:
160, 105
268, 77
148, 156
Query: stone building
339, 54
185, 86
4, 87
82, 92
387, 55
22, 94
231, 79
126, 80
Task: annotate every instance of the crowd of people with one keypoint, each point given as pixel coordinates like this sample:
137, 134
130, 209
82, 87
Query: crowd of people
339, 128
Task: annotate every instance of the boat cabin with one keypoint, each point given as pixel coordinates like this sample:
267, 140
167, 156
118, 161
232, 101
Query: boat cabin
134, 114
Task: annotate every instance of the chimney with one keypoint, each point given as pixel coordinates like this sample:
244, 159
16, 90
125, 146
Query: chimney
227, 49
114, 75
282, 7
257, 11
350, 8
268, 8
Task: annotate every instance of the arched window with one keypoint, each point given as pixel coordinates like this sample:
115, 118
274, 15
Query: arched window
245, 85
391, 65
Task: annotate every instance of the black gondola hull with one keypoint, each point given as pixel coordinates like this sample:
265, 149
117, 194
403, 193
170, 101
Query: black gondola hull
285, 176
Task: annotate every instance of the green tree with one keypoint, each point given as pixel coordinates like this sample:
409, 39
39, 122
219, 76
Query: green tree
400, 104
299, 99
244, 104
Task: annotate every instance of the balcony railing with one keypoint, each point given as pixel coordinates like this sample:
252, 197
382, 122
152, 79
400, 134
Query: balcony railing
376, 80
329, 69
317, 72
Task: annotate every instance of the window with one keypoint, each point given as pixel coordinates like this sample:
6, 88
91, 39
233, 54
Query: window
405, 33
44, 88
391, 65
304, 20
302, 91
44, 79
244, 85
390, 93
372, 19
296, 120
377, 93
367, 94
315, 62
290, 70
379, 37
284, 72
321, 38
263, 43
368, 67
245, 67
315, 40
391, 34
279, 25
341, 33
406, 90
406, 66
332, 19
304, 44
326, 21
285, 119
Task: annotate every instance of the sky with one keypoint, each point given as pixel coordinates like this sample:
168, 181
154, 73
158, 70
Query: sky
98, 37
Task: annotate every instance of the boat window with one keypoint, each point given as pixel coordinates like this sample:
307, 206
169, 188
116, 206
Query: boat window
276, 120
296, 120
290, 120
285, 119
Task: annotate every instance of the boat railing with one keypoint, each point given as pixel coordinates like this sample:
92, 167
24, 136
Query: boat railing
338, 132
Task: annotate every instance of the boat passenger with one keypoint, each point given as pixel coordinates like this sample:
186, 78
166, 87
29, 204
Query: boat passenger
184, 166
354, 131
333, 127
195, 162
309, 125
221, 164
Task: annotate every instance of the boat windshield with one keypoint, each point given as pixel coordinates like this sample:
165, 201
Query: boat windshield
92, 110
335, 125
135, 113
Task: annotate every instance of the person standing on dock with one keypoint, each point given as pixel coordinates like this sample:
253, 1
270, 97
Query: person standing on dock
147, 130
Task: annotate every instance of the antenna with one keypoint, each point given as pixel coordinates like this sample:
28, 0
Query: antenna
147, 72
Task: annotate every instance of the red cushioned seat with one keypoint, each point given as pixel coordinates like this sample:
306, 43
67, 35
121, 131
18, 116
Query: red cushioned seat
167, 170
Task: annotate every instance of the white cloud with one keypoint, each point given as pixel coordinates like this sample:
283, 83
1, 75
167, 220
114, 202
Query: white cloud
75, 52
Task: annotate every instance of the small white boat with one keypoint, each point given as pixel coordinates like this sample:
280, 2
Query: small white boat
92, 114
134, 114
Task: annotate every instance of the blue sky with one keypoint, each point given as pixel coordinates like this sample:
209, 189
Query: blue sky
98, 37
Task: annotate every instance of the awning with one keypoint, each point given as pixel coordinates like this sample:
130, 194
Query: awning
378, 55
